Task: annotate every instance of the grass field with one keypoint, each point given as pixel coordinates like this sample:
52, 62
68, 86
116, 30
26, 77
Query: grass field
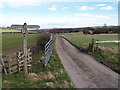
84, 40
53, 76
109, 53
11, 41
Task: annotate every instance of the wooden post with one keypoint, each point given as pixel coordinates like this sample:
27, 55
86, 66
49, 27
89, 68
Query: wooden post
97, 46
25, 32
93, 45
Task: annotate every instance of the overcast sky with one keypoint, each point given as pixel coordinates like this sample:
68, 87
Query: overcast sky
56, 14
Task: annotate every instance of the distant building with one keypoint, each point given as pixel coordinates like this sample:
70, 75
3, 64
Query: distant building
30, 27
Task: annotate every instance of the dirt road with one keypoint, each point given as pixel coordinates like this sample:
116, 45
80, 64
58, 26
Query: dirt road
85, 71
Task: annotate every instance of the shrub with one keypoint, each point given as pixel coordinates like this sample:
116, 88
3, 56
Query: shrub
42, 39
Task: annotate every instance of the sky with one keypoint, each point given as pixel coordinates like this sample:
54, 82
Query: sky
58, 14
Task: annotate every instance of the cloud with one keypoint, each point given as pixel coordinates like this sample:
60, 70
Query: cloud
101, 4
86, 8
53, 8
64, 8
106, 8
19, 3
92, 16
1, 5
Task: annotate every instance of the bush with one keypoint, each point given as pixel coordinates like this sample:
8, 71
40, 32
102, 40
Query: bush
42, 39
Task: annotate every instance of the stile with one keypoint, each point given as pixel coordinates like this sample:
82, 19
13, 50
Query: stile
11, 66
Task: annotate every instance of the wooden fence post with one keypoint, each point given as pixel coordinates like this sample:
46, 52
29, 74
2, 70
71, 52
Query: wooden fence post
93, 42
25, 49
97, 46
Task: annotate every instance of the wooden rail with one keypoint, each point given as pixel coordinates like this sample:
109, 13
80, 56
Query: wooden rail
108, 41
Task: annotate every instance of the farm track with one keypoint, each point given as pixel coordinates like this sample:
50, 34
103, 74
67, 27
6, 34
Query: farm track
85, 71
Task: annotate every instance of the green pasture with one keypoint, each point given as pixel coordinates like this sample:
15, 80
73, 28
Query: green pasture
11, 41
84, 40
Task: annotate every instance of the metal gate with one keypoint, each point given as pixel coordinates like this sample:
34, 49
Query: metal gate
48, 51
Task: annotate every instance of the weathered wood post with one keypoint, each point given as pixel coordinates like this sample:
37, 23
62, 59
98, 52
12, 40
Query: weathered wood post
25, 32
97, 46
93, 42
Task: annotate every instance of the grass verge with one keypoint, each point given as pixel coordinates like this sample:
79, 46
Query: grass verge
53, 76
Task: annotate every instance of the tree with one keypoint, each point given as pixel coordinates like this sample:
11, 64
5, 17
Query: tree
105, 28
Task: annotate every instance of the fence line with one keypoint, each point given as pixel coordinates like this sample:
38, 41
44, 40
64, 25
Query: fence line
94, 46
48, 51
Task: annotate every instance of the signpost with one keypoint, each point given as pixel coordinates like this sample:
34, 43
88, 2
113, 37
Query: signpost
25, 32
